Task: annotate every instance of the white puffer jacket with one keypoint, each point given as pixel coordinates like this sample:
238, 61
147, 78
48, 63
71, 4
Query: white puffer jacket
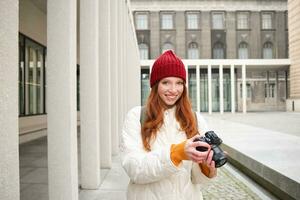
153, 176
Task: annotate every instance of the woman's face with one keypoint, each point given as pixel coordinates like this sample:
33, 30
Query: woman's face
170, 90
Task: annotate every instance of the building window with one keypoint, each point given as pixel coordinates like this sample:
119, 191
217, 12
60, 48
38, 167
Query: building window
167, 21
218, 51
31, 77
271, 89
144, 51
268, 50
192, 21
266, 21
243, 20
167, 46
141, 21
218, 20
248, 90
193, 51
243, 50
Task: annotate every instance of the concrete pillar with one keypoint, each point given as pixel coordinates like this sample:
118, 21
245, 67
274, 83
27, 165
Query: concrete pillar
89, 95
114, 76
61, 100
277, 88
209, 89
232, 80
244, 89
187, 75
121, 39
9, 137
105, 84
198, 86
155, 34
221, 89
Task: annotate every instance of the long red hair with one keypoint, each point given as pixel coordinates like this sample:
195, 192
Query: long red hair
154, 116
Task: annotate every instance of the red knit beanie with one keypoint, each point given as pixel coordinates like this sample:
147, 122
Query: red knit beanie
167, 65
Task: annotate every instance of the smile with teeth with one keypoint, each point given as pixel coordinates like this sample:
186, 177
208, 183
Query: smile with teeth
171, 97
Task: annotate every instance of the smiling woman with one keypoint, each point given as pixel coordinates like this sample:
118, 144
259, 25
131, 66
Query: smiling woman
159, 153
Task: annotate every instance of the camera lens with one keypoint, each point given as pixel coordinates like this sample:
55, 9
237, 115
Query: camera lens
219, 157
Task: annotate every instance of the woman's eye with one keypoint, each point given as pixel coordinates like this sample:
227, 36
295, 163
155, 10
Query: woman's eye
180, 83
165, 82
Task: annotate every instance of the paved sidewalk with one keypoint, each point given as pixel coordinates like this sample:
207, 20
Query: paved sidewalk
34, 178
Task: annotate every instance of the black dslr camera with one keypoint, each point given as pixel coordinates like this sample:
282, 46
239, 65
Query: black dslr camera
214, 141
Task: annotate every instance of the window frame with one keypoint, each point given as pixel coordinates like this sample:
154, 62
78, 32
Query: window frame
140, 13
223, 20
164, 13
187, 14
271, 18
247, 13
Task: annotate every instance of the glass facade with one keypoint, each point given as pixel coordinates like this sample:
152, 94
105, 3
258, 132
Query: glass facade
145, 85
215, 89
31, 77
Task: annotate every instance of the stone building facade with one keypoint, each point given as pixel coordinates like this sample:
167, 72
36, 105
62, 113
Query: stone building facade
252, 29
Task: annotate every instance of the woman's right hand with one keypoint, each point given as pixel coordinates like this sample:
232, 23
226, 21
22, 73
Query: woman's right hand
192, 153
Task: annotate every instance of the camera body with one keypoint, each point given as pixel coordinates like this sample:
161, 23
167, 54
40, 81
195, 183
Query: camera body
214, 141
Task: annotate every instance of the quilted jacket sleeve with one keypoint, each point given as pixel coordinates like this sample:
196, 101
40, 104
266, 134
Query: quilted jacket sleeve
143, 167
197, 176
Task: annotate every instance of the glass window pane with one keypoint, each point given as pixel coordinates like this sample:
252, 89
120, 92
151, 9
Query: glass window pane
243, 51
192, 88
268, 50
266, 21
193, 51
218, 51
21, 76
217, 21
34, 87
167, 21
141, 21
243, 21
192, 21
145, 85
144, 51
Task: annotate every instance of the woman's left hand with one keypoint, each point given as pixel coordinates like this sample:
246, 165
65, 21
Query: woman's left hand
211, 165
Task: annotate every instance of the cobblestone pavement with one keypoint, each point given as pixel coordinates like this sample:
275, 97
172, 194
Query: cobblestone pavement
226, 186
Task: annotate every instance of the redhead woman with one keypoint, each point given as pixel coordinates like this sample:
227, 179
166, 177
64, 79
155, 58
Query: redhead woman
158, 153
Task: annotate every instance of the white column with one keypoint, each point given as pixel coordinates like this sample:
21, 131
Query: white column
105, 84
120, 63
209, 89
198, 86
61, 100
9, 125
89, 95
187, 76
244, 89
277, 88
221, 89
232, 80
114, 79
